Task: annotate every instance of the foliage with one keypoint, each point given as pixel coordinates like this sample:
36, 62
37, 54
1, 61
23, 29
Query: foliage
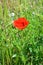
21, 47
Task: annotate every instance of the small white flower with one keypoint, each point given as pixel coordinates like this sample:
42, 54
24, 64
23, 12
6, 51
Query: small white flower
12, 14
33, 13
14, 56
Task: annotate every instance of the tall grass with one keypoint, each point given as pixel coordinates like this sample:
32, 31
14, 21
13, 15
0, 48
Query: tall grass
21, 47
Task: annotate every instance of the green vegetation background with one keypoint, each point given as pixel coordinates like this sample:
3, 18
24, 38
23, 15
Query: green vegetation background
21, 47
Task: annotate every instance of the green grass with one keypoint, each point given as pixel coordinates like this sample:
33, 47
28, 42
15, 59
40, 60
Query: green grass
21, 47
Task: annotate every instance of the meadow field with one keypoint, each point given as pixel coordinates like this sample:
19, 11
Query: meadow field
21, 47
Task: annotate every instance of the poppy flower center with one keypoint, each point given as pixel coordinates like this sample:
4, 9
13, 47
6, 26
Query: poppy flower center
23, 23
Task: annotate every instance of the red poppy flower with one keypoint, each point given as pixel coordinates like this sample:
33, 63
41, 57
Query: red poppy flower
20, 23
